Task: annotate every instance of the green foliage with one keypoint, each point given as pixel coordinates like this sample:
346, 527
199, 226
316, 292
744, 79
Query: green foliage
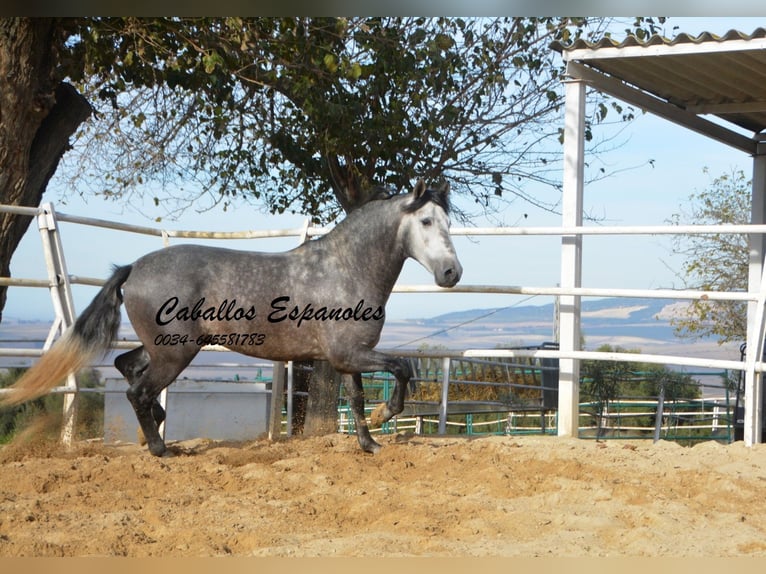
307, 114
675, 385
90, 420
605, 382
601, 382
8, 415
717, 262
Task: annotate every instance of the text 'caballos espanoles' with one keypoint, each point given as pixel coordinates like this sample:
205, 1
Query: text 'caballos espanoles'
279, 310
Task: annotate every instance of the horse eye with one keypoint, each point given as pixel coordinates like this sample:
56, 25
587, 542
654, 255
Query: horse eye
426, 221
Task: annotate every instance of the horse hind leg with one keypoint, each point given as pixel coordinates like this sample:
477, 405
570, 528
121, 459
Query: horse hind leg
132, 365
147, 377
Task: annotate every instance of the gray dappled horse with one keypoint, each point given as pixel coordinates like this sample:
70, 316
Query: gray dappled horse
322, 300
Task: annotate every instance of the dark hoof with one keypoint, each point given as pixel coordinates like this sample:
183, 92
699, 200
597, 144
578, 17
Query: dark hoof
371, 446
159, 449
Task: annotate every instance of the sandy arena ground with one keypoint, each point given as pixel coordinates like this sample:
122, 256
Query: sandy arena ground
421, 496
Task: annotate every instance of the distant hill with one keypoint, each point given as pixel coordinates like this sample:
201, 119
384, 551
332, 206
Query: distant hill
636, 324
617, 309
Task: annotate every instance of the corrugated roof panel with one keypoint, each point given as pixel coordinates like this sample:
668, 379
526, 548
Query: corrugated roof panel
657, 40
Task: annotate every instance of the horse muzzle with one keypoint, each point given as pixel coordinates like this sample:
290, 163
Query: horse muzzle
449, 276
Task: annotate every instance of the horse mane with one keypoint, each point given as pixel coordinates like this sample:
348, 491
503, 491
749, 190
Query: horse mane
381, 193
429, 195
441, 199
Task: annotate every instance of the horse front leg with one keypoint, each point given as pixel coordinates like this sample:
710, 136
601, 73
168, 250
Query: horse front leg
355, 392
368, 361
384, 412
395, 405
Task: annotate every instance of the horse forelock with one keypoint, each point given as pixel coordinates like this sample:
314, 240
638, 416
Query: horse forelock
429, 196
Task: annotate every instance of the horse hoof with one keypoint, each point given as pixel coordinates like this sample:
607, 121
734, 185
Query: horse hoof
380, 415
159, 450
372, 447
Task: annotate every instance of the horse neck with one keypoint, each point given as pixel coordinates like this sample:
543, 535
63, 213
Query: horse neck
369, 244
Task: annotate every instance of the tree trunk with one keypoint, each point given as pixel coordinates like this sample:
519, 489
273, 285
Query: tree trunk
347, 185
301, 381
322, 407
321, 415
38, 114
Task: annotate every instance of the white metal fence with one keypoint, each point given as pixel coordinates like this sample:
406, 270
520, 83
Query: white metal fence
60, 284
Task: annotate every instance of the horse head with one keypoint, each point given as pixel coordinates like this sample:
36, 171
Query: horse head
425, 231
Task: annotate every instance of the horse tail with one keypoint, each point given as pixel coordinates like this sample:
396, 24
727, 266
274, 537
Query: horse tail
91, 336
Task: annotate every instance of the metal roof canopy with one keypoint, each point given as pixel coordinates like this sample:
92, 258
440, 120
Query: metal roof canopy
684, 79
681, 80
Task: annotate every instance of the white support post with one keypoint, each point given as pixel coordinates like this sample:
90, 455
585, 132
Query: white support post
571, 256
445, 394
755, 309
163, 398
63, 306
289, 398
277, 394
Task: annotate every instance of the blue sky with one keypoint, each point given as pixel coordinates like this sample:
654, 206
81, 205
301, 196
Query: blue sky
647, 195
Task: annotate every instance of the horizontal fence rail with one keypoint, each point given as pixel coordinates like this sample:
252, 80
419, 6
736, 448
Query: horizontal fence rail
307, 231
456, 231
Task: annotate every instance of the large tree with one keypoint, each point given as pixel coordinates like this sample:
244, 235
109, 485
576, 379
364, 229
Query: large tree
38, 114
309, 114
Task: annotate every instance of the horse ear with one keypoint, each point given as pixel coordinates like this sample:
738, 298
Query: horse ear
420, 189
444, 188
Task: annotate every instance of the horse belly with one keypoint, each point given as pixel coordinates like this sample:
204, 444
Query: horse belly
291, 342
272, 343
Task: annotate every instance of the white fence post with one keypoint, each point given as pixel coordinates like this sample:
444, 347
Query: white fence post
289, 398
63, 306
445, 394
277, 395
755, 309
571, 257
